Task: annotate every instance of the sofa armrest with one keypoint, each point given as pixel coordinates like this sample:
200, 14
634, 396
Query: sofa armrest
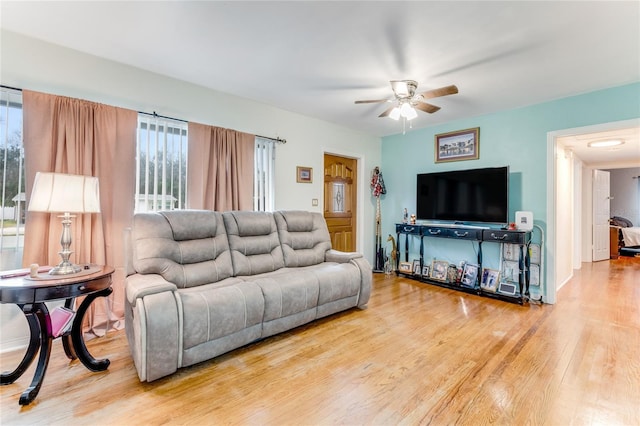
366, 280
340, 256
140, 285
153, 324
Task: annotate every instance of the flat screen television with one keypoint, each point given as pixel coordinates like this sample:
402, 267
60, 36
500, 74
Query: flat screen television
464, 196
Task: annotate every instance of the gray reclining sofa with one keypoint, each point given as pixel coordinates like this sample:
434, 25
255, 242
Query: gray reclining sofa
202, 283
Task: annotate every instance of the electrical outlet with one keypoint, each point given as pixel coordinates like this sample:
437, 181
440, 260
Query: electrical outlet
314, 202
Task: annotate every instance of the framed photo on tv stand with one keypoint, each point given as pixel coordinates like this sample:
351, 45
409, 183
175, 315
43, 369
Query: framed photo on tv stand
405, 267
469, 275
490, 279
439, 270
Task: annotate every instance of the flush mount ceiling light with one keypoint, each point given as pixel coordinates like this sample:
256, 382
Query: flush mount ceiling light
605, 144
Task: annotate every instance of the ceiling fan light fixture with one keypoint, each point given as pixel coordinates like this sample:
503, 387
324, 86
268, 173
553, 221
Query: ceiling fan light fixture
407, 101
409, 113
605, 144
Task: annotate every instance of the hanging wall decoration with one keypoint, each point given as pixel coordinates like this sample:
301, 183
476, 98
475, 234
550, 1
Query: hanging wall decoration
378, 189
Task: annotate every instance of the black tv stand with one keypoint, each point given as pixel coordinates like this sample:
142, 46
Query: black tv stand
480, 234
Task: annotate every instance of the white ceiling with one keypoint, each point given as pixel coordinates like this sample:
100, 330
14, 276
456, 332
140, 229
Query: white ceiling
625, 155
317, 58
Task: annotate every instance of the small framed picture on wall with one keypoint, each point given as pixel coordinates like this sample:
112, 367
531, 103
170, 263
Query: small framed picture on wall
304, 174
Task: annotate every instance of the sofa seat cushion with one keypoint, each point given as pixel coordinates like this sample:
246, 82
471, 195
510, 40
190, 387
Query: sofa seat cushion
216, 310
288, 293
335, 281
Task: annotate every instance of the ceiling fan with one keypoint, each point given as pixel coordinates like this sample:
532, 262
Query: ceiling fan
406, 100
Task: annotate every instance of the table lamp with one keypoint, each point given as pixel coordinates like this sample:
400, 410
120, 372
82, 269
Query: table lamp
64, 193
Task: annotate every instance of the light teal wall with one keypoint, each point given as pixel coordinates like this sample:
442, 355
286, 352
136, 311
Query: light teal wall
517, 138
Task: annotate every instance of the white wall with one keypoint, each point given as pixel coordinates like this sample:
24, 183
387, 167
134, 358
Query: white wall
564, 216
625, 193
577, 212
587, 214
32, 64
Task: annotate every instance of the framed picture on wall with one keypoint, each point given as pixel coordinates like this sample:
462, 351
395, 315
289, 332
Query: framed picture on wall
458, 145
304, 174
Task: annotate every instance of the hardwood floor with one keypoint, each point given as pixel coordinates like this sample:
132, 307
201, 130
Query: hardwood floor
418, 355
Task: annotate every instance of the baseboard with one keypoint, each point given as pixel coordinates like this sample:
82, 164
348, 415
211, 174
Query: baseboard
564, 282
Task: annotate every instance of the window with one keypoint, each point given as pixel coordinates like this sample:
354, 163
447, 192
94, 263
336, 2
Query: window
12, 182
263, 175
161, 164
161, 172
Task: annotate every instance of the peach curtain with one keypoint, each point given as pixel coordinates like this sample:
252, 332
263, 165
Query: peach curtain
220, 168
74, 136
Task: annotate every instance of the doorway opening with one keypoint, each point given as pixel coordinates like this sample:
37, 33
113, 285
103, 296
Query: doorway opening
569, 200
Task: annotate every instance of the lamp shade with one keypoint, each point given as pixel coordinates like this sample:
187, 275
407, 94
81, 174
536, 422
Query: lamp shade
58, 192
408, 112
395, 114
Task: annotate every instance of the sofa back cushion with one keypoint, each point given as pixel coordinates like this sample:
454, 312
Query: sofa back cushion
253, 240
304, 237
186, 247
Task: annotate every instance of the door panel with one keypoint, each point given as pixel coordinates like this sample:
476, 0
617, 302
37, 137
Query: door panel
601, 211
340, 200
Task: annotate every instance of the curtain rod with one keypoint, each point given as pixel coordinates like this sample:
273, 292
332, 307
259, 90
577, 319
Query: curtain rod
9, 87
277, 140
154, 114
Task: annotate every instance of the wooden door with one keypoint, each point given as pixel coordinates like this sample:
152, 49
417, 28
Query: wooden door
340, 174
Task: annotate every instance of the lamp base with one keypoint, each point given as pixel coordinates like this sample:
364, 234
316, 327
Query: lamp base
65, 268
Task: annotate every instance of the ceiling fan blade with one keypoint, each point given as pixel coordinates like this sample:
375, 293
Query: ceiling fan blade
423, 106
387, 111
443, 91
373, 101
